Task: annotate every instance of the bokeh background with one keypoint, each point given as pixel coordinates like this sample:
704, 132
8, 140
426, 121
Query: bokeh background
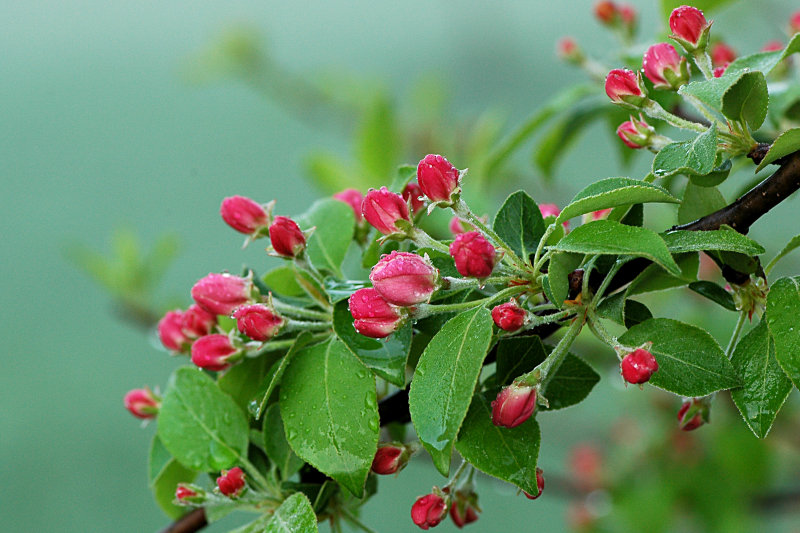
119, 116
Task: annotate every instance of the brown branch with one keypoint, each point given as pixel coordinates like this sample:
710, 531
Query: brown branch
188, 523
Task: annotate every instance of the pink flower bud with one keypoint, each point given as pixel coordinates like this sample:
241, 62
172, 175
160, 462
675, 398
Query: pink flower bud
231, 482
463, 513
183, 493
243, 214
383, 209
142, 403
214, 352
509, 316
689, 27
389, 459
258, 322
428, 511
628, 15
624, 86
220, 294
568, 50
372, 315
549, 210
719, 71
722, 55
692, 414
197, 322
638, 366
413, 192
605, 12
404, 279
437, 178
601, 214
458, 226
772, 46
354, 199
665, 67
514, 405
539, 484
474, 255
794, 22
286, 237
635, 133
586, 466
170, 331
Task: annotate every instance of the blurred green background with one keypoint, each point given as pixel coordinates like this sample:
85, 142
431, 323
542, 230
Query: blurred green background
105, 126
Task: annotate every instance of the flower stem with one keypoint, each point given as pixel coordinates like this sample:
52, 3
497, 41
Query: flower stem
538, 260
300, 312
541, 374
454, 479
703, 62
424, 310
463, 211
735, 335
256, 476
653, 109
423, 240
451, 284
294, 325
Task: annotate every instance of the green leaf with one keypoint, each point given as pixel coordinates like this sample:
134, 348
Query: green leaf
378, 141
273, 377
698, 202
561, 264
791, 245
723, 239
624, 312
739, 95
516, 356
276, 445
334, 222
783, 308
613, 192
445, 379
764, 61
442, 261
715, 177
766, 387
653, 278
509, 454
690, 362
201, 426
164, 474
688, 157
342, 290
295, 515
386, 357
787, 143
313, 288
405, 173
519, 223
243, 381
330, 413
281, 280
607, 237
715, 293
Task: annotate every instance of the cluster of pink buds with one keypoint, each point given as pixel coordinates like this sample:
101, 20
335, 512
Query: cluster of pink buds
178, 329
429, 510
391, 458
231, 482
514, 405
638, 366
142, 403
616, 15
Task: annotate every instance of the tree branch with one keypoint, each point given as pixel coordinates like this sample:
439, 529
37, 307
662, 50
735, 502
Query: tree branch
188, 523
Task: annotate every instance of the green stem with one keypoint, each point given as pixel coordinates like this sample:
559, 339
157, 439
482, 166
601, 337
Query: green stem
452, 284
350, 517
541, 374
538, 260
600, 332
735, 336
424, 310
274, 346
547, 319
288, 309
603, 286
454, 479
423, 240
255, 475
653, 109
463, 211
703, 62
294, 325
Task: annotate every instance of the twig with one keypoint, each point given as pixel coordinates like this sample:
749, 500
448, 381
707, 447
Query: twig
188, 523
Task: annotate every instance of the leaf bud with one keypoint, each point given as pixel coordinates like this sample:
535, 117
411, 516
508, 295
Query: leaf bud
474, 256
514, 405
404, 279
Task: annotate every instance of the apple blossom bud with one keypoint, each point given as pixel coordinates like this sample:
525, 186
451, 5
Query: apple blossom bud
514, 405
722, 55
794, 22
182, 492
243, 214
372, 315
190, 494
549, 210
383, 209
586, 467
220, 294
390, 459
539, 484
437, 178
624, 86
413, 193
772, 46
286, 237
693, 414
719, 71
428, 511
231, 482
404, 279
474, 255
638, 366
197, 322
635, 133
605, 12
596, 215
628, 15
354, 199
142, 403
568, 50
665, 67
214, 352
258, 322
689, 27
464, 508
458, 226
509, 316
170, 331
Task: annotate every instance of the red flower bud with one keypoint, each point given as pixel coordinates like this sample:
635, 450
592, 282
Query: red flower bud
624, 86
635, 133
474, 255
605, 12
354, 199
772, 46
539, 484
220, 294
428, 511
586, 465
231, 482
457, 226
463, 514
549, 210
665, 67
170, 331
258, 321
719, 71
509, 316
722, 55
243, 214
197, 322
413, 192
514, 405
182, 492
599, 215
389, 459
638, 366
437, 178
372, 315
383, 209
142, 403
692, 414
628, 16
689, 27
286, 237
404, 279
794, 22
568, 50
214, 352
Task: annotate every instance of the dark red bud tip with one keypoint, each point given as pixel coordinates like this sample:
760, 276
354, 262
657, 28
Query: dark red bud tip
404, 279
509, 316
437, 178
286, 237
389, 459
373, 316
428, 511
539, 484
354, 199
243, 214
383, 209
231, 482
638, 366
514, 405
474, 256
142, 403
